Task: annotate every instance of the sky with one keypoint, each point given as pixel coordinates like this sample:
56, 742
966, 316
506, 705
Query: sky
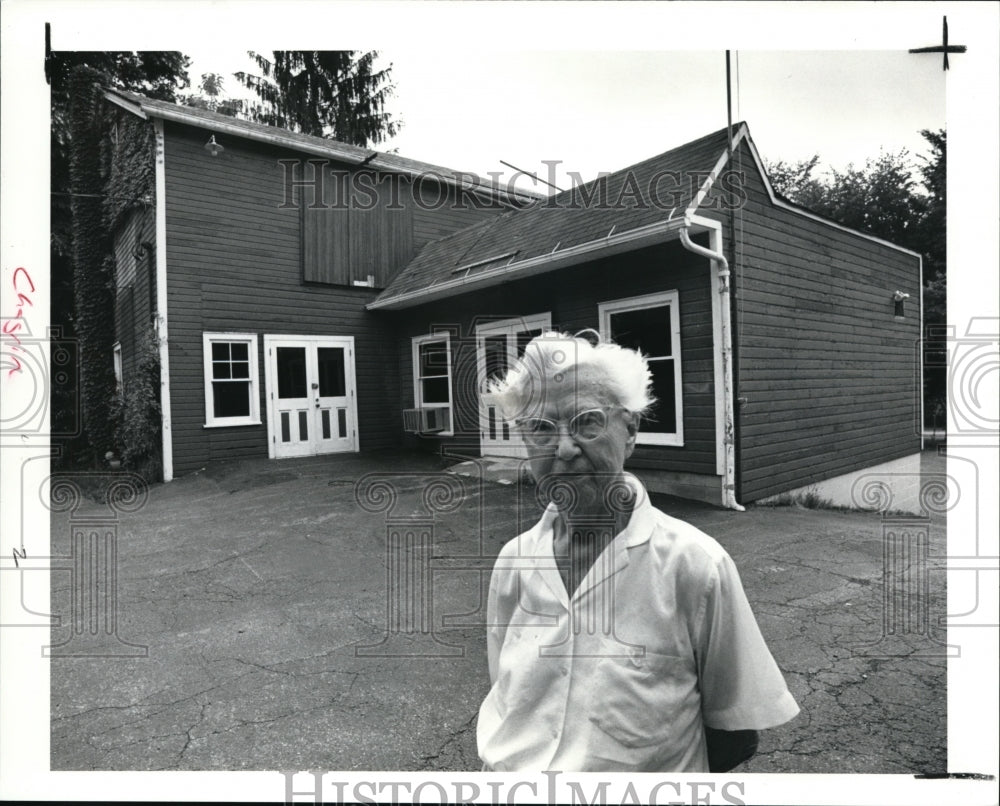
602, 110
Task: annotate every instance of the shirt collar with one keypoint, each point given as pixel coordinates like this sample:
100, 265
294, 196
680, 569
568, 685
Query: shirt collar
640, 524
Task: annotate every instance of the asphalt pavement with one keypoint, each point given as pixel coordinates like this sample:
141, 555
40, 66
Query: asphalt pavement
326, 613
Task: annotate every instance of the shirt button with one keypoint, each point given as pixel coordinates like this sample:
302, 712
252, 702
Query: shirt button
555, 733
564, 671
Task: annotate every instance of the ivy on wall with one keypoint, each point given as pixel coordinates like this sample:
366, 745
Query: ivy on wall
111, 174
130, 170
93, 266
136, 412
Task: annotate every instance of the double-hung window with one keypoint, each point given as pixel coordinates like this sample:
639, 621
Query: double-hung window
231, 390
432, 375
651, 324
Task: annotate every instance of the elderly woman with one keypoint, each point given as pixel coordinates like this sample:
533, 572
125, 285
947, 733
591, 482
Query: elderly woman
619, 638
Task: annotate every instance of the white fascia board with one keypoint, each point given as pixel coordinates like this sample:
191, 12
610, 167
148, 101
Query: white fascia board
162, 330
180, 115
128, 106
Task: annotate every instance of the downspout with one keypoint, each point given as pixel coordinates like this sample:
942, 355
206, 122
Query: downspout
721, 266
161, 302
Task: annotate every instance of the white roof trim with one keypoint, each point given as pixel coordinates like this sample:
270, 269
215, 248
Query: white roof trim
744, 133
128, 106
368, 157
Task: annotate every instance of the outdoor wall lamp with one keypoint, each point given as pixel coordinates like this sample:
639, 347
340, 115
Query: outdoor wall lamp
898, 297
215, 149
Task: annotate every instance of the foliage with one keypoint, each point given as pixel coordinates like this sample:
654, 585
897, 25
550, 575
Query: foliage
156, 74
93, 266
212, 86
333, 93
136, 412
131, 172
880, 198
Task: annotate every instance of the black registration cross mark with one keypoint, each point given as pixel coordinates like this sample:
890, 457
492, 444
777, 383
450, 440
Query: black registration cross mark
944, 47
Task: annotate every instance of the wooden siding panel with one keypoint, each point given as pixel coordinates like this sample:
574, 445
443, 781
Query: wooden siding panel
829, 376
572, 296
235, 264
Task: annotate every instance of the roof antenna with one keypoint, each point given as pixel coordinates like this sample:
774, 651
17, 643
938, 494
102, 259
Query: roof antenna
533, 176
729, 109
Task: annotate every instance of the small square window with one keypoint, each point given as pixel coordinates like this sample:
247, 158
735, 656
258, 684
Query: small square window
231, 387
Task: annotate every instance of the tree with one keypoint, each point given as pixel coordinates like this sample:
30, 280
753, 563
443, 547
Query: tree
333, 93
212, 86
880, 198
156, 74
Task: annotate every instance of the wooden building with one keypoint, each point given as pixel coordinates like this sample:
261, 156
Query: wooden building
366, 311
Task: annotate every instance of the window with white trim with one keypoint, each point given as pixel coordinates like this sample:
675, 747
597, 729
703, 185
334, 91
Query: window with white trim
432, 373
231, 386
651, 324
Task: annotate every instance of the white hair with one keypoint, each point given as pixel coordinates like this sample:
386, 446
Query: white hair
617, 373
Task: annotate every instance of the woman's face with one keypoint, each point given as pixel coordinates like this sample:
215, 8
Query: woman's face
589, 466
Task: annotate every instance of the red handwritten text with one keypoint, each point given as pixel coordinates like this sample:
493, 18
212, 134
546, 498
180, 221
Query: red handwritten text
23, 284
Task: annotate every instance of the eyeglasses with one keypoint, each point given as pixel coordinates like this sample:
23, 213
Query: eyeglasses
586, 426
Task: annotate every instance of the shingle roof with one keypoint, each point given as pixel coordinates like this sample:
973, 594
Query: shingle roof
377, 160
642, 194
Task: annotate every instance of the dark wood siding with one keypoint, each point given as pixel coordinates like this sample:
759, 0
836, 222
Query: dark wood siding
572, 296
235, 264
372, 224
363, 229
439, 211
829, 375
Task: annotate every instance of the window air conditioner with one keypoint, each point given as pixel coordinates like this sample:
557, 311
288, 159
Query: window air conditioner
427, 421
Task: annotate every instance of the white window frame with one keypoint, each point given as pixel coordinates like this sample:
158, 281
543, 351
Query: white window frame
250, 339
669, 298
116, 358
418, 402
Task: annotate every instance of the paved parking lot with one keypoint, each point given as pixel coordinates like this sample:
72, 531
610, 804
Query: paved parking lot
281, 611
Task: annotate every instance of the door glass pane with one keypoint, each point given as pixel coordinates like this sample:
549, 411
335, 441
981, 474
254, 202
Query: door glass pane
303, 426
231, 398
495, 348
292, 372
286, 427
332, 376
524, 337
663, 416
647, 329
326, 423
342, 423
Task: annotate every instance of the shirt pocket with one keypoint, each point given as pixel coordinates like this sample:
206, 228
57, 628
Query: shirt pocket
637, 698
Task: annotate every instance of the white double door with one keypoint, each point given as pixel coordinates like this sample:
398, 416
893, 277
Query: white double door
312, 406
498, 346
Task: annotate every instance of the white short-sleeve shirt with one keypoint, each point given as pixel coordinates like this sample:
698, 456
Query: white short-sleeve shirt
657, 641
